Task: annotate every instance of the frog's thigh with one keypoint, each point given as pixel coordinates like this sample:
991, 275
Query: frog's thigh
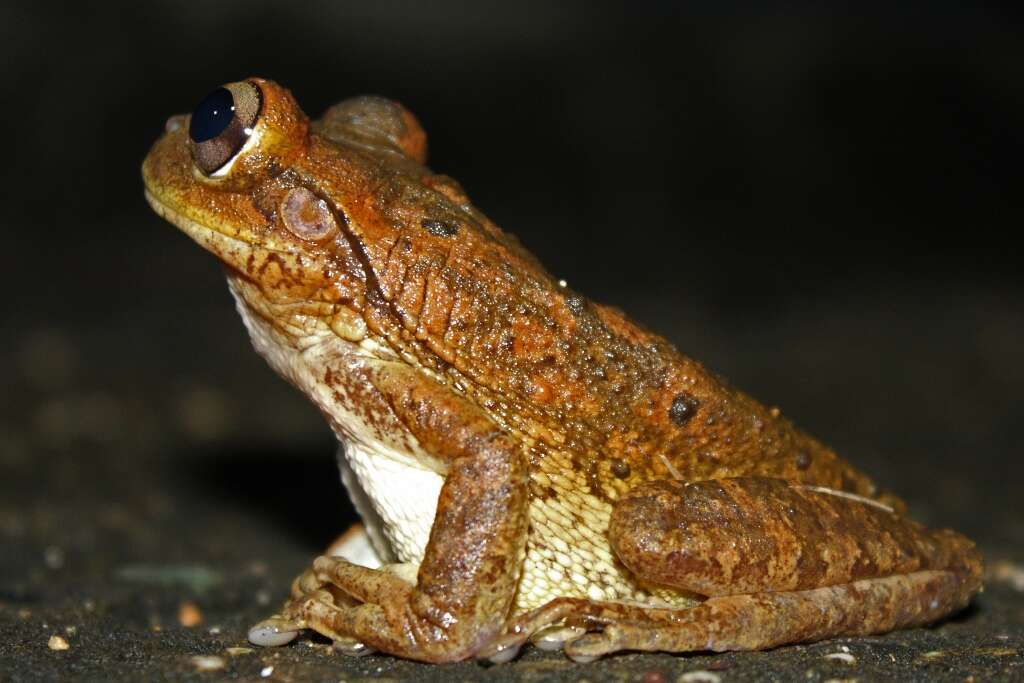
468, 575
755, 534
780, 562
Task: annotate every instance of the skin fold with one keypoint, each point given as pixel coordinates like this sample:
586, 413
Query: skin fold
529, 465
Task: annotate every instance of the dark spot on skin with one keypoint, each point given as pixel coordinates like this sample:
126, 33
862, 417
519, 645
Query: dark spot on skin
683, 408
803, 460
575, 304
439, 228
620, 468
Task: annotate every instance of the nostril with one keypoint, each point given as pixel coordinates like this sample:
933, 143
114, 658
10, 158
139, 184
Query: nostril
174, 123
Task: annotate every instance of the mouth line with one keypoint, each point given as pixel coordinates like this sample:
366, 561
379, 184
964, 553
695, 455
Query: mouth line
204, 235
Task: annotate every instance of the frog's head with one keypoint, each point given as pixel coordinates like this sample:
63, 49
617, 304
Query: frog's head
247, 179
335, 214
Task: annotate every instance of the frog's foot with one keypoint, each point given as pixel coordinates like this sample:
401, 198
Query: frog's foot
363, 609
316, 585
353, 545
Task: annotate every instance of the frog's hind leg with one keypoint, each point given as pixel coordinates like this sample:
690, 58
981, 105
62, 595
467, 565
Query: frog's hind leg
780, 563
739, 622
764, 620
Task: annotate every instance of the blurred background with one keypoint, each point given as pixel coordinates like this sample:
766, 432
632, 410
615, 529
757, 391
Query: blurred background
819, 203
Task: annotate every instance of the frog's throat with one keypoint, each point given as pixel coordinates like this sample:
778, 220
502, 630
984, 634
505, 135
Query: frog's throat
392, 481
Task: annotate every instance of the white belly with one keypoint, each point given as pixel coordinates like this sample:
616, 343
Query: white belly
396, 501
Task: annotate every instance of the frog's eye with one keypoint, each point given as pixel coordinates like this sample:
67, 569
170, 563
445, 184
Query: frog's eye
222, 123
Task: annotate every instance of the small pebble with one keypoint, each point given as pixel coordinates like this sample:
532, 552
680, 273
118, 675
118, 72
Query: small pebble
208, 662
1007, 572
53, 557
239, 651
842, 656
699, 676
266, 671
58, 643
189, 614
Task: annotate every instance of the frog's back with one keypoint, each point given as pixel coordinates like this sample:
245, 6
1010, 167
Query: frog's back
599, 404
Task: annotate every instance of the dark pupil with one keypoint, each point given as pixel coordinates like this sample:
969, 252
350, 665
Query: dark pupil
212, 115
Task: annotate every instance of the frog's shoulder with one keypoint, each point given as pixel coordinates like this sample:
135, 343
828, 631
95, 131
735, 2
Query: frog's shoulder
377, 124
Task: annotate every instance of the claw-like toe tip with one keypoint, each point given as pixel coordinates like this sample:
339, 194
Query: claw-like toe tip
555, 638
352, 648
505, 653
273, 632
586, 649
581, 658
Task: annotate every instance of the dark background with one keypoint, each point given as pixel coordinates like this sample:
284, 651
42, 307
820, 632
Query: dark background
820, 203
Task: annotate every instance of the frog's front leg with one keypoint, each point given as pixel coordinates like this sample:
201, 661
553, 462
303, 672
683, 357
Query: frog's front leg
778, 562
467, 579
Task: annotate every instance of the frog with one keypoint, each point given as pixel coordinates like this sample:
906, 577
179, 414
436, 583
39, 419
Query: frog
530, 466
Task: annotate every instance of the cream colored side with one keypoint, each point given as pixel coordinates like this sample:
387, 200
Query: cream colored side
569, 553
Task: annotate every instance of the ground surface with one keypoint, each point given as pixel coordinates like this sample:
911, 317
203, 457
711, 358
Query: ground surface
159, 487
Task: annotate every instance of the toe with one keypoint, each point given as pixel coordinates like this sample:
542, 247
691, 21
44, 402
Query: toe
274, 632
